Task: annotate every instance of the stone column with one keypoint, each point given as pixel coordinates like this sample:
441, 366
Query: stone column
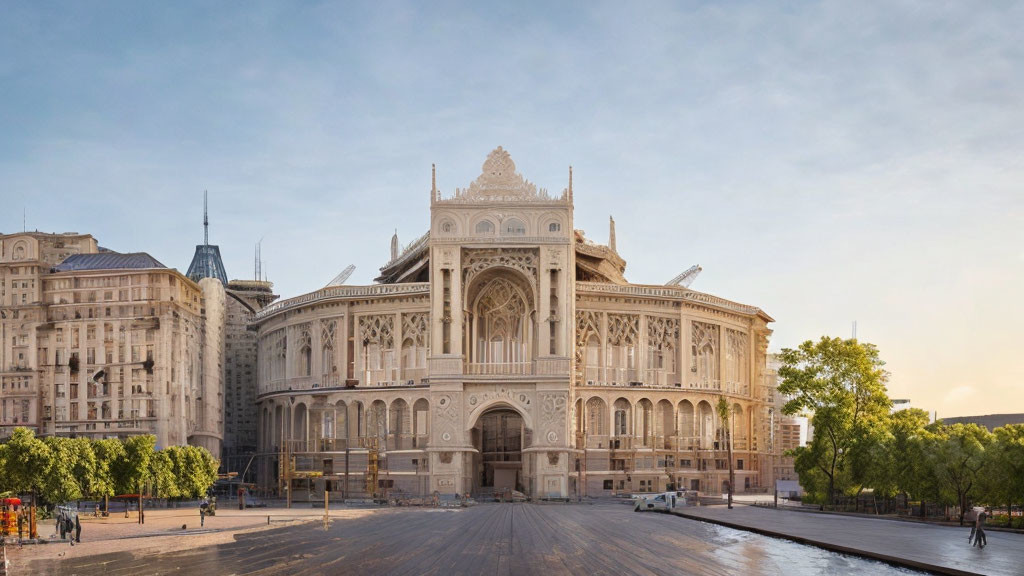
544, 310
604, 348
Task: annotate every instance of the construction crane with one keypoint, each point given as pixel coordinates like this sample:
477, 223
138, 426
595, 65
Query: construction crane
339, 280
686, 277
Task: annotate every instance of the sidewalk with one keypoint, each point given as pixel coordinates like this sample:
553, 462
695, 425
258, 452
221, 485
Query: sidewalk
163, 531
939, 549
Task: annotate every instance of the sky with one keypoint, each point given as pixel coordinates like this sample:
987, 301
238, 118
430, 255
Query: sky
828, 162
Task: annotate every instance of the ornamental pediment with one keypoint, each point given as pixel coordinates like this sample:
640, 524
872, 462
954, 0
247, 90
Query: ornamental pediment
499, 182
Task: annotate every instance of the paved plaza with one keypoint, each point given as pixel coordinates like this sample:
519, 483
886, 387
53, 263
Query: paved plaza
498, 539
941, 549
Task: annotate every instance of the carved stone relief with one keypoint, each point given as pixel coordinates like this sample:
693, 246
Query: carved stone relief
623, 329
416, 326
519, 399
662, 333
552, 416
446, 419
378, 329
478, 261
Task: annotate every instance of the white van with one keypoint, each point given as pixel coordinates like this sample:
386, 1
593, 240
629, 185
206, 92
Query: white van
666, 501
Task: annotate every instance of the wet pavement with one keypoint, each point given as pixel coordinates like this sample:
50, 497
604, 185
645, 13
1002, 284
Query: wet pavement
601, 539
940, 549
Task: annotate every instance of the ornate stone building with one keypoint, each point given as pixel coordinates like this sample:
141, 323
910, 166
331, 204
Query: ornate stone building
101, 344
503, 349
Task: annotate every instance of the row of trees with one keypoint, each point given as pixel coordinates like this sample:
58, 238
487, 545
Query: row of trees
65, 469
858, 444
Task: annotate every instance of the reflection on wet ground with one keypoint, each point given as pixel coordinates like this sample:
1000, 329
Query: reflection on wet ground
494, 539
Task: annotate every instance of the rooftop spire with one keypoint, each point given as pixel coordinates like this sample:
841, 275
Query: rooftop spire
206, 222
611, 234
394, 245
570, 183
433, 180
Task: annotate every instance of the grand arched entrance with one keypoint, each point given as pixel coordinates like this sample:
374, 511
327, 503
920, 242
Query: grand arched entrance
498, 437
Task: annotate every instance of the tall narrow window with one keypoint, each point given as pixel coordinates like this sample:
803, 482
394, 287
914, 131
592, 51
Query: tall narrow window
446, 315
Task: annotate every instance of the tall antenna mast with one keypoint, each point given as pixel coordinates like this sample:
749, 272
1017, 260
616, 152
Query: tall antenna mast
206, 222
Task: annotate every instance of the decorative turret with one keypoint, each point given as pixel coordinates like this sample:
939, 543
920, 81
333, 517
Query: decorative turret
611, 234
207, 263
394, 246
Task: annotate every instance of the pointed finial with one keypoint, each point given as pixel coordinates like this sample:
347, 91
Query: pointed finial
394, 245
611, 233
570, 184
206, 222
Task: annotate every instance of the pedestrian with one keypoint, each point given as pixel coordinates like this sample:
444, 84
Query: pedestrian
78, 530
979, 534
60, 524
203, 506
69, 527
972, 517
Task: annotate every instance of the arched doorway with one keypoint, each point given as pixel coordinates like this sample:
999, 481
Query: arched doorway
498, 437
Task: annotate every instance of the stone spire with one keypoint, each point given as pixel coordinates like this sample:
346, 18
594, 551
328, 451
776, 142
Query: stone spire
433, 182
611, 234
570, 185
394, 245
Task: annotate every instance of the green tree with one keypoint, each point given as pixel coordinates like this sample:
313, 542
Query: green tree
903, 456
841, 383
161, 474
195, 469
60, 484
1001, 477
131, 470
956, 454
107, 453
27, 460
723, 417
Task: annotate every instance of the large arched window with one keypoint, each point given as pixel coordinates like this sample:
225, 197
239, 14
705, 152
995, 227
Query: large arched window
484, 227
501, 313
514, 227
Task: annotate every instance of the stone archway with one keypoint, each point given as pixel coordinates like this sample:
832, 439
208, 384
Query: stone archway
499, 436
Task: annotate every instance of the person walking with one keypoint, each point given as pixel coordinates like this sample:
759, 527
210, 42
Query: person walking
203, 506
69, 526
972, 517
78, 530
980, 540
60, 524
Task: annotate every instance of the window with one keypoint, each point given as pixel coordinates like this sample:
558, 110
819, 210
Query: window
484, 227
607, 484
620, 422
515, 227
555, 227
447, 227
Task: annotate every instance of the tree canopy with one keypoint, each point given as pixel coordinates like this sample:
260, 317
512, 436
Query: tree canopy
63, 469
841, 385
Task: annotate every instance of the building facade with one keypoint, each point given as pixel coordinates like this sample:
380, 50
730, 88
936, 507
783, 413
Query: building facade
103, 345
244, 299
505, 350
